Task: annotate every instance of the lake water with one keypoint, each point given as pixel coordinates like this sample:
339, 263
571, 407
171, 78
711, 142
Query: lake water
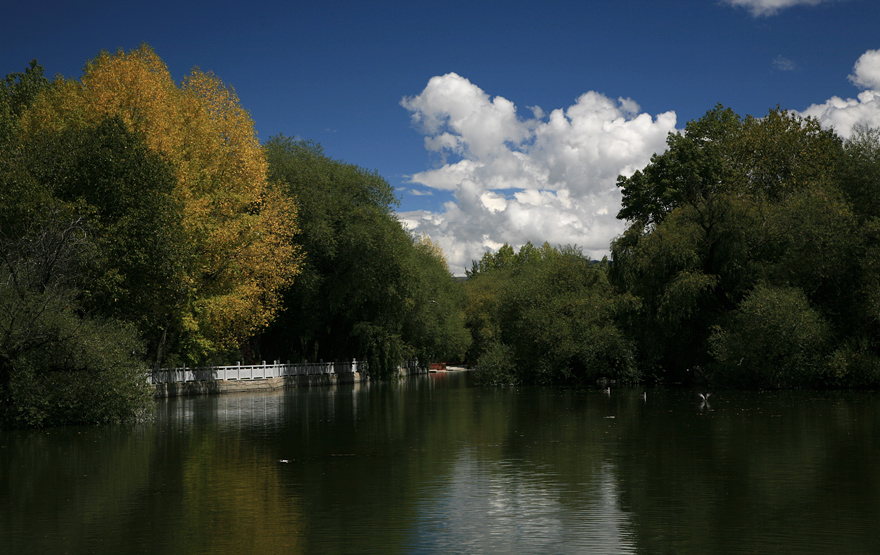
435, 465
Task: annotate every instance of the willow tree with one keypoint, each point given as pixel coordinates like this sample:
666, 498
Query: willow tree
237, 229
747, 237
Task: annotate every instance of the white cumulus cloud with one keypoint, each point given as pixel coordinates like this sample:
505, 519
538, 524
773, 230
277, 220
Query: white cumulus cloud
772, 7
544, 177
866, 72
843, 114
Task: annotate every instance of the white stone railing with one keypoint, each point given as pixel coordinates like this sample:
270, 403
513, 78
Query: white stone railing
257, 371
252, 371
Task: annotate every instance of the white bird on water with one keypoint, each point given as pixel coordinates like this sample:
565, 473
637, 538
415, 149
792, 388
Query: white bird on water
704, 403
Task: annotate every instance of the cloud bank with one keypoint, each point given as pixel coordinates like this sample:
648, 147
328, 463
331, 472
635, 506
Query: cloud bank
842, 114
760, 8
543, 177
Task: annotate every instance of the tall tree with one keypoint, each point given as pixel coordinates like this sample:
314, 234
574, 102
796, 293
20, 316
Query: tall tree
134, 214
239, 227
770, 224
367, 288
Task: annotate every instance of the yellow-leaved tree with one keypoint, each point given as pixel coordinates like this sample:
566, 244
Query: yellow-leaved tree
238, 229
424, 242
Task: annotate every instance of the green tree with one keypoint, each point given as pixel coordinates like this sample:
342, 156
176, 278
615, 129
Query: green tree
856, 361
858, 171
693, 169
773, 339
367, 289
734, 202
687, 271
436, 322
483, 294
60, 363
504, 257
349, 244
782, 153
550, 314
136, 217
19, 91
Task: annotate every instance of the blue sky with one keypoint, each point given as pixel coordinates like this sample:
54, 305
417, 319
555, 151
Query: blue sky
440, 97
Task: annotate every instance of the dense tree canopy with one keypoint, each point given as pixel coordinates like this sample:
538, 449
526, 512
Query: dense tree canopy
546, 315
367, 288
239, 228
138, 227
82, 273
750, 228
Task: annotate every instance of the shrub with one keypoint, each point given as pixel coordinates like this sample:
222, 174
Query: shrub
773, 339
496, 366
73, 370
853, 364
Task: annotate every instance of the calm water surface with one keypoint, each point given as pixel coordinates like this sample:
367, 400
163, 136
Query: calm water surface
434, 465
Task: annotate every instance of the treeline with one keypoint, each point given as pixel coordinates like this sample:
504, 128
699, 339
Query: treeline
751, 259
142, 224
548, 316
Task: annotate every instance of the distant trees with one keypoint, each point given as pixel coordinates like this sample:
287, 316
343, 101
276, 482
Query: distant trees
436, 320
751, 255
367, 288
547, 316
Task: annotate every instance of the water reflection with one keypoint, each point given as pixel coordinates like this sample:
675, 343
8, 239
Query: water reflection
433, 465
498, 507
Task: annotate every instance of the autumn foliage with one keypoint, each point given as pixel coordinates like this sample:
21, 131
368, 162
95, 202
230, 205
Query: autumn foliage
237, 228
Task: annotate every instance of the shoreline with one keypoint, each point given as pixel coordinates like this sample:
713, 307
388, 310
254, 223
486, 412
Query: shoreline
211, 387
